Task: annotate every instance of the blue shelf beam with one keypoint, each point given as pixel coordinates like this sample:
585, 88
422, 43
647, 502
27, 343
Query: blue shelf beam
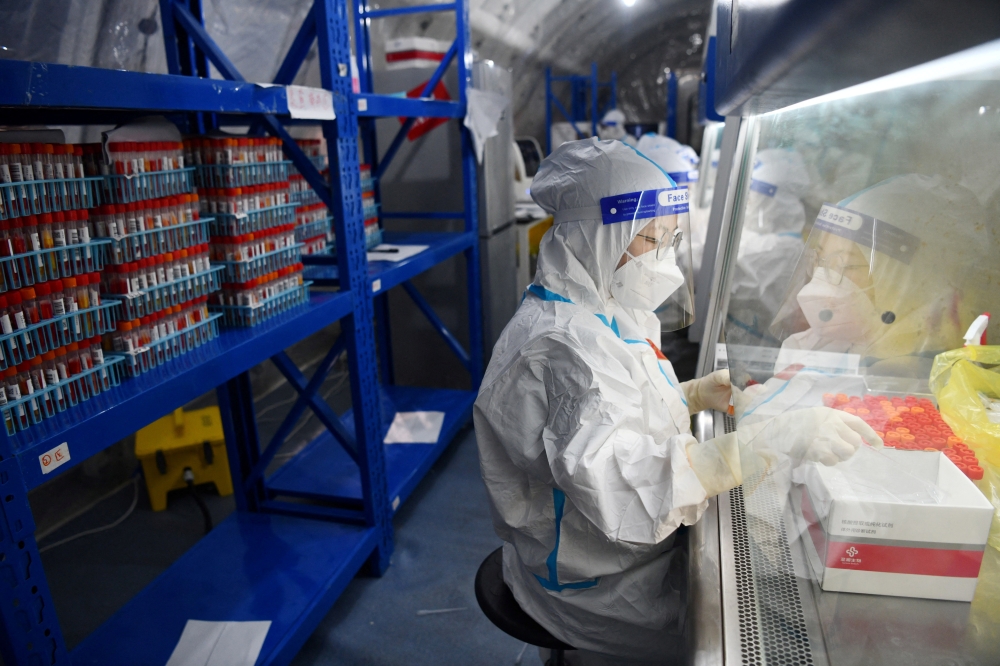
384, 275
252, 566
38, 86
400, 11
438, 325
322, 471
101, 421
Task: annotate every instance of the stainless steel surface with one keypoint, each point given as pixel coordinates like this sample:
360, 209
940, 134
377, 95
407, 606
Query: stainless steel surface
497, 258
731, 135
704, 573
706, 589
496, 173
723, 234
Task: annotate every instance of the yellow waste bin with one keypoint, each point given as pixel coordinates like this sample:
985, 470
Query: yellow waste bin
176, 442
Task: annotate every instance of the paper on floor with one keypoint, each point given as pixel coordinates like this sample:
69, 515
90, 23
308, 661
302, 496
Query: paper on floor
390, 252
415, 428
219, 643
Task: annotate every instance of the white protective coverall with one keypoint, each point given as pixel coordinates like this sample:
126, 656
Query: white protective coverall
582, 426
770, 244
584, 431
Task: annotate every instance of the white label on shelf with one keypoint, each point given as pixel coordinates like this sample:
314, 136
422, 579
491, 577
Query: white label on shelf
377, 286
395, 503
362, 104
311, 103
54, 458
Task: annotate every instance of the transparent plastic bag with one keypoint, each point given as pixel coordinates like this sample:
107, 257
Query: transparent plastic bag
966, 383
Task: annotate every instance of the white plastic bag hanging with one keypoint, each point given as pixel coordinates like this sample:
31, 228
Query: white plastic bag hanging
482, 115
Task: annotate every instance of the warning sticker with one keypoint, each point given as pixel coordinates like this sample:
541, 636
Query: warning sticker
54, 458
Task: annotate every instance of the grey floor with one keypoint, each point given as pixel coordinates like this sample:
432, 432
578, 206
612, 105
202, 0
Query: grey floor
443, 533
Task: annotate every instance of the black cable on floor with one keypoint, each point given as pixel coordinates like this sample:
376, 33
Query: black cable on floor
189, 479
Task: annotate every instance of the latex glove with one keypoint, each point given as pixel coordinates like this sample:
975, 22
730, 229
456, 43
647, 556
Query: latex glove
716, 463
712, 391
817, 434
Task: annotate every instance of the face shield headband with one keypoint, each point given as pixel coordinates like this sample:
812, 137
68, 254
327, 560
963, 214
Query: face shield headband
657, 276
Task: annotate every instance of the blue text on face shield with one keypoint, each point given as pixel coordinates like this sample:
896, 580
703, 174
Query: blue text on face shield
761, 187
644, 205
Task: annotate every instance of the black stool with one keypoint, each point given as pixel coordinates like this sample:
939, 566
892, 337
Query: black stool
500, 606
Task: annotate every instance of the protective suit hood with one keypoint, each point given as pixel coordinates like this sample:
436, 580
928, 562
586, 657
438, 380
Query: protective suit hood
579, 254
678, 160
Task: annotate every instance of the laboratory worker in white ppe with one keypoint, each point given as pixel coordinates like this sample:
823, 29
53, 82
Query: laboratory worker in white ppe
583, 428
612, 126
771, 244
895, 274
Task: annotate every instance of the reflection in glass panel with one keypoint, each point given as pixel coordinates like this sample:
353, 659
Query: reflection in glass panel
868, 245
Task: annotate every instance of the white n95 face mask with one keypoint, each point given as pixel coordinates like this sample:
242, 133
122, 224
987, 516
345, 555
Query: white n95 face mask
645, 282
837, 311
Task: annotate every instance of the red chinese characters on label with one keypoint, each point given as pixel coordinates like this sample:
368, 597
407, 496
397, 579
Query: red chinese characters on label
54, 458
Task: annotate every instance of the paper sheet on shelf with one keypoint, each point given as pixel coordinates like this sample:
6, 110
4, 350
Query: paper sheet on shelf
311, 103
415, 428
402, 252
219, 643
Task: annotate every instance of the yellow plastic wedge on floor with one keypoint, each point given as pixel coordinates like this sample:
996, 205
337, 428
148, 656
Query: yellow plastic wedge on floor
180, 440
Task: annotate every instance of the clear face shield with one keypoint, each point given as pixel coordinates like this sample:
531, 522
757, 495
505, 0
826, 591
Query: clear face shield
833, 288
655, 272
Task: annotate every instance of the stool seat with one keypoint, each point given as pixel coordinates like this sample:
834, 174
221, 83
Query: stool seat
500, 606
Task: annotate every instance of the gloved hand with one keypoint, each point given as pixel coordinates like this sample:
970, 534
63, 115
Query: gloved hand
818, 434
709, 392
716, 463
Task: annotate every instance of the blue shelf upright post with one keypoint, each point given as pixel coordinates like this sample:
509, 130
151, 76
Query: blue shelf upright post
594, 87
672, 105
369, 147
184, 57
30, 633
333, 33
329, 23
469, 185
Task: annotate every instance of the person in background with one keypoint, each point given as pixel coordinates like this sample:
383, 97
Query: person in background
770, 245
864, 285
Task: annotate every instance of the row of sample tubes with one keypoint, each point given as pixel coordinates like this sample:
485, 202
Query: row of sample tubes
54, 381
42, 178
139, 157
36, 319
152, 340
239, 200
250, 246
42, 247
219, 151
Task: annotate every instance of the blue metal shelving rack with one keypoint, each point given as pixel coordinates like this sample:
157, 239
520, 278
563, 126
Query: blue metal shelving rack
584, 105
274, 559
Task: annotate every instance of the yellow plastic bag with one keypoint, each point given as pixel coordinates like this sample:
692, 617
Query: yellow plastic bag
966, 383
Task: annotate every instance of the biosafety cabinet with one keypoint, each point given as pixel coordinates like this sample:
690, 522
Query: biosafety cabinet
853, 252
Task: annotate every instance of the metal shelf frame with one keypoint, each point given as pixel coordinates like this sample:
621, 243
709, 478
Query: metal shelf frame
584, 106
285, 555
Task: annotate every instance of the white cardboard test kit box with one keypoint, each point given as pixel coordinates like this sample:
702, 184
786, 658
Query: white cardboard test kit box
862, 539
